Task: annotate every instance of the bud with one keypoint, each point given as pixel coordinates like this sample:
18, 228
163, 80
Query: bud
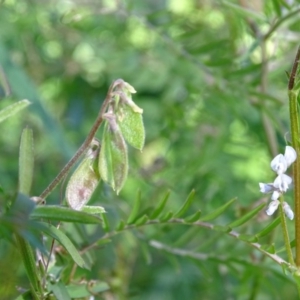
288, 211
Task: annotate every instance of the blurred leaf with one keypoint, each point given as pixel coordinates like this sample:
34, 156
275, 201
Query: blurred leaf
135, 210
213, 215
194, 217
63, 214
159, 208
13, 109
166, 216
59, 290
113, 161
268, 228
247, 216
94, 210
26, 161
105, 224
67, 244
88, 289
188, 202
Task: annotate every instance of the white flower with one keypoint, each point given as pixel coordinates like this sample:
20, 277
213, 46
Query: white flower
272, 207
280, 163
280, 185
282, 182
288, 211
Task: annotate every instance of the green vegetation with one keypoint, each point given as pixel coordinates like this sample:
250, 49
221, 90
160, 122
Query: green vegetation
174, 207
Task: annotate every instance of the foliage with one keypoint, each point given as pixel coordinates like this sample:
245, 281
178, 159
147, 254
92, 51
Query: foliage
181, 219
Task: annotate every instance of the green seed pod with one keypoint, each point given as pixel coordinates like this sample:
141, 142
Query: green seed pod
113, 161
85, 179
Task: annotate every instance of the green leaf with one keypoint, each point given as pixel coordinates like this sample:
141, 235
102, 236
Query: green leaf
113, 161
166, 217
59, 290
120, 226
28, 258
13, 109
247, 216
157, 211
26, 160
63, 214
194, 217
135, 210
66, 243
222, 228
85, 290
105, 224
269, 228
185, 205
142, 220
277, 7
248, 238
213, 215
131, 125
84, 180
94, 210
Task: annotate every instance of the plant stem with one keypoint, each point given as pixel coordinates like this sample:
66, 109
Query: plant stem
285, 233
294, 119
85, 144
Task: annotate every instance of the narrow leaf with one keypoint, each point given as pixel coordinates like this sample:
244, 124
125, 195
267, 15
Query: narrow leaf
113, 161
13, 109
85, 290
213, 215
134, 212
32, 271
141, 221
63, 214
66, 243
26, 161
157, 211
60, 291
269, 228
185, 205
166, 217
84, 180
131, 125
194, 217
105, 224
94, 210
121, 225
247, 216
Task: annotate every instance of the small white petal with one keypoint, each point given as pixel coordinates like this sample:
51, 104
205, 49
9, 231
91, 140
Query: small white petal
288, 211
275, 195
290, 155
266, 187
282, 182
272, 207
279, 164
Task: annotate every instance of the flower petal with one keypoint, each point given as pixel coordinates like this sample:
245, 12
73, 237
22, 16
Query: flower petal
282, 182
279, 164
266, 187
272, 207
275, 195
290, 155
288, 211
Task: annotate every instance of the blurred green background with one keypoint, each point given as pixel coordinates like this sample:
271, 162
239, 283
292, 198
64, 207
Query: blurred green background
210, 76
